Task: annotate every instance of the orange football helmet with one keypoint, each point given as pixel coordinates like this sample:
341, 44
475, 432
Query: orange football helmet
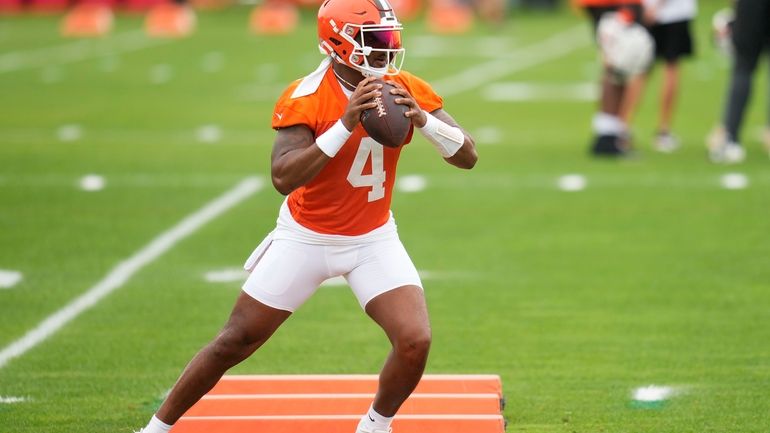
350, 31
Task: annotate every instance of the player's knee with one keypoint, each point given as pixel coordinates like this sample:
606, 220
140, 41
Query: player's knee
233, 345
414, 345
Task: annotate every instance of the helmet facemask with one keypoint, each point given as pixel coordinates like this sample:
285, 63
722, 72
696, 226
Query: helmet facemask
380, 43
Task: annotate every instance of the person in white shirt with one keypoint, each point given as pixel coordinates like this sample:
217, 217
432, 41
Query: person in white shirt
668, 21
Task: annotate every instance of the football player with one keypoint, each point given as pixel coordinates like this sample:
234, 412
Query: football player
336, 219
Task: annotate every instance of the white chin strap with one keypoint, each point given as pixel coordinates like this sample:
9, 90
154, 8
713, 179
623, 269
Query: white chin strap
367, 73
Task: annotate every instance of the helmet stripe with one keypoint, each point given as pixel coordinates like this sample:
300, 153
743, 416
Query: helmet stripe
382, 5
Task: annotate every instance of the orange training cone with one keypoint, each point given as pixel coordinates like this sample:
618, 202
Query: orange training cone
449, 17
274, 19
87, 20
170, 20
406, 10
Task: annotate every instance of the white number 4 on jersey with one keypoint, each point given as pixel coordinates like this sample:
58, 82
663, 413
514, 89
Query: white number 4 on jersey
376, 180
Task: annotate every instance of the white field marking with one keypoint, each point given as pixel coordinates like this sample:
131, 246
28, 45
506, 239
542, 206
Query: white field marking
213, 62
11, 399
9, 278
121, 273
734, 181
76, 51
133, 180
653, 393
92, 182
227, 275
235, 137
572, 182
208, 133
487, 135
436, 46
516, 91
555, 46
161, 73
411, 183
70, 132
534, 181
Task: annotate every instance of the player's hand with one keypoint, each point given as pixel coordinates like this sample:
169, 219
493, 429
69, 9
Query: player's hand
361, 99
415, 113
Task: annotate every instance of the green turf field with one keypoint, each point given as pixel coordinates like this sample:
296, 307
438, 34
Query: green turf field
654, 274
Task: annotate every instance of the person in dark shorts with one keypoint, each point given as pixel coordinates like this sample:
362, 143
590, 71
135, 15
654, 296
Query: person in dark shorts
751, 37
668, 21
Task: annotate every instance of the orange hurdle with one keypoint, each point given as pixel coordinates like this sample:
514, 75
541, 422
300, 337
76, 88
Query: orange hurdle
353, 384
335, 404
338, 424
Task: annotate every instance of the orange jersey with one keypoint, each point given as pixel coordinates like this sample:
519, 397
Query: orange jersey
351, 195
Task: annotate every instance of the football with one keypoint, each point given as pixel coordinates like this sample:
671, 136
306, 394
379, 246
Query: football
386, 123
627, 46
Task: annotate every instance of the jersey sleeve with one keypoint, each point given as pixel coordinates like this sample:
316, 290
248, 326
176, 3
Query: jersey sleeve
294, 111
426, 97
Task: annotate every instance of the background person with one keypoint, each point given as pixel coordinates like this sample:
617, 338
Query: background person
750, 36
669, 24
610, 132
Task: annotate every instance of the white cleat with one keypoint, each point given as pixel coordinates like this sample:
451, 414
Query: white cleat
666, 143
730, 153
722, 151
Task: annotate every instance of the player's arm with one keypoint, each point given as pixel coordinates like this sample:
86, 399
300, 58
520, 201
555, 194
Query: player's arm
440, 129
298, 157
295, 159
466, 155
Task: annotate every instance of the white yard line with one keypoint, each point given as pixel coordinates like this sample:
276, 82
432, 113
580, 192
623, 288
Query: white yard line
555, 46
653, 393
532, 91
70, 133
76, 51
127, 268
9, 278
12, 399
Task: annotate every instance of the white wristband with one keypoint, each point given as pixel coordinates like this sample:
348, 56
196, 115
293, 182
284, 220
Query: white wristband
446, 138
331, 141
